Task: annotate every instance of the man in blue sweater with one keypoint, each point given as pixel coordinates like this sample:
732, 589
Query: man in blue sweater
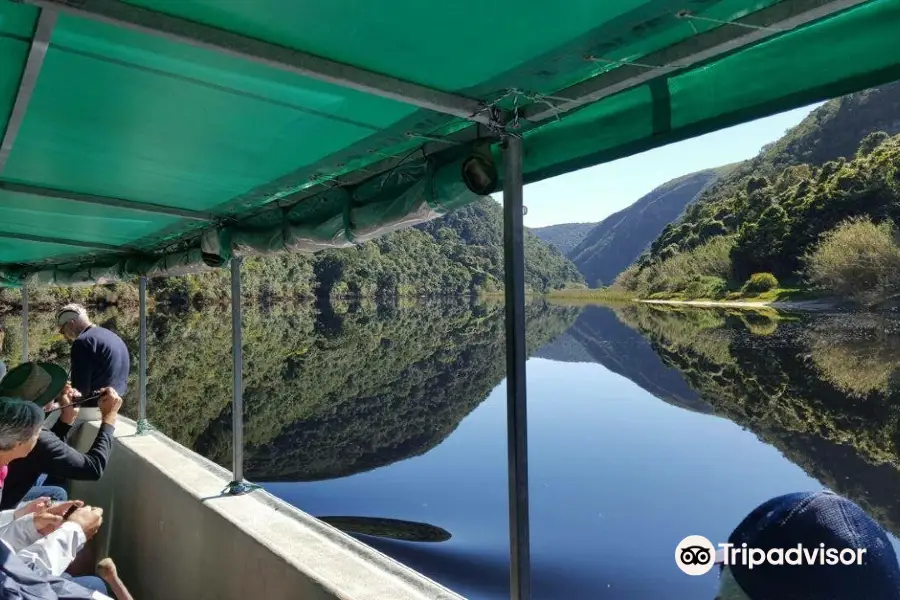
99, 357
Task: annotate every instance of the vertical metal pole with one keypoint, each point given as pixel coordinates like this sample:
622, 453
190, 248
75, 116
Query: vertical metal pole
516, 418
237, 407
24, 324
142, 352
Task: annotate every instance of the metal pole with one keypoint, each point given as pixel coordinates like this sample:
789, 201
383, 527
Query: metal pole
142, 353
237, 407
24, 324
516, 418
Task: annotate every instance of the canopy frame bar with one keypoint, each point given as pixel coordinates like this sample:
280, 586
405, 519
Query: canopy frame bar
271, 55
39, 45
755, 27
27, 237
156, 209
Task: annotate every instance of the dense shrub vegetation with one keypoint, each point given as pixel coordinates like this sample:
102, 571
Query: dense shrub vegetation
769, 215
760, 282
859, 260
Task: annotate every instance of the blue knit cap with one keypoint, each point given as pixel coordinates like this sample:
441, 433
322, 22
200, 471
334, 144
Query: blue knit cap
813, 519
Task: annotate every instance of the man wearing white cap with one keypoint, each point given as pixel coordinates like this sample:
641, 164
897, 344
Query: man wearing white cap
99, 357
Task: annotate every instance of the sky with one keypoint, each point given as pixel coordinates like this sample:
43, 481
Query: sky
591, 194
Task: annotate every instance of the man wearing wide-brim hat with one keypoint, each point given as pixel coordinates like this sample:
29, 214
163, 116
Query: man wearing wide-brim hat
47, 385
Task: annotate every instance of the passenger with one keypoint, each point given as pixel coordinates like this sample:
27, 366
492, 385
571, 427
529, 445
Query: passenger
100, 358
18, 580
40, 383
44, 538
816, 521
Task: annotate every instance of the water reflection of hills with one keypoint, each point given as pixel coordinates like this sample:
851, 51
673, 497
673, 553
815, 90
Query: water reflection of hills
821, 389
367, 387
328, 390
598, 336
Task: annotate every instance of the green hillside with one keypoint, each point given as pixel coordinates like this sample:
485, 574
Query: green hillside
460, 253
810, 210
620, 238
565, 236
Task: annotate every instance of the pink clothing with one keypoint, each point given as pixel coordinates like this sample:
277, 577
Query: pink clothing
3, 470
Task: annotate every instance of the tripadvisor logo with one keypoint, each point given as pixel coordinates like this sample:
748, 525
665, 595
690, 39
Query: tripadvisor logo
696, 555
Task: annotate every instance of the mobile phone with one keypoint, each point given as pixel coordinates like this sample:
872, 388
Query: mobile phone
69, 512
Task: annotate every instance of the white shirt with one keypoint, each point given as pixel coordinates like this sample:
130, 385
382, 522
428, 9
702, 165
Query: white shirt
49, 555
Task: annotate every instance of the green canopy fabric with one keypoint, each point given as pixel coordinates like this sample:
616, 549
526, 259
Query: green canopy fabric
153, 138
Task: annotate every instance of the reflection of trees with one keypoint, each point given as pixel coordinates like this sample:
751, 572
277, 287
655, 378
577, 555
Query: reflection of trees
859, 354
327, 390
392, 384
792, 390
46, 344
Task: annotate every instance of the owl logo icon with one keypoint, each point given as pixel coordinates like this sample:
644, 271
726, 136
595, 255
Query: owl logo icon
695, 555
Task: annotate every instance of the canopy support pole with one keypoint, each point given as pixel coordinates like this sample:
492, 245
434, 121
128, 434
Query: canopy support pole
24, 324
516, 418
238, 485
142, 424
195, 34
39, 44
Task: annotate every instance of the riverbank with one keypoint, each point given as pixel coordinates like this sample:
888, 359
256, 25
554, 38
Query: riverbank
783, 298
784, 304
604, 296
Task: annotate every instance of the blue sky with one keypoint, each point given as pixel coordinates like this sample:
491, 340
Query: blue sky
594, 193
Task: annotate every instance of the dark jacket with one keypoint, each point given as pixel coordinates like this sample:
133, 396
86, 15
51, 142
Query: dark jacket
99, 359
19, 582
53, 456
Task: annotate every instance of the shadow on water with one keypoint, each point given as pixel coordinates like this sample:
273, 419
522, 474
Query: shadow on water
408, 531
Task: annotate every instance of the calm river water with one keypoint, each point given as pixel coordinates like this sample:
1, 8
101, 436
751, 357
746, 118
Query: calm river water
646, 425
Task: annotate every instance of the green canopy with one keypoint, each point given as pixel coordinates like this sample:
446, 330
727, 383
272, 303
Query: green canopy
151, 138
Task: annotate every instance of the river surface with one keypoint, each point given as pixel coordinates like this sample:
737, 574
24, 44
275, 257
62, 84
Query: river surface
646, 425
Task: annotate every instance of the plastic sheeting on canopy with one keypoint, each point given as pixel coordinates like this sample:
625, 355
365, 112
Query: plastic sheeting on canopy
413, 193
140, 154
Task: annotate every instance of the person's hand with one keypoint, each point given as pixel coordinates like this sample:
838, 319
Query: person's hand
109, 404
89, 518
68, 395
49, 520
36, 505
66, 398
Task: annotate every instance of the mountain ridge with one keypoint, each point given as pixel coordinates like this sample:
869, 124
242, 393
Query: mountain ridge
620, 238
770, 213
565, 236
